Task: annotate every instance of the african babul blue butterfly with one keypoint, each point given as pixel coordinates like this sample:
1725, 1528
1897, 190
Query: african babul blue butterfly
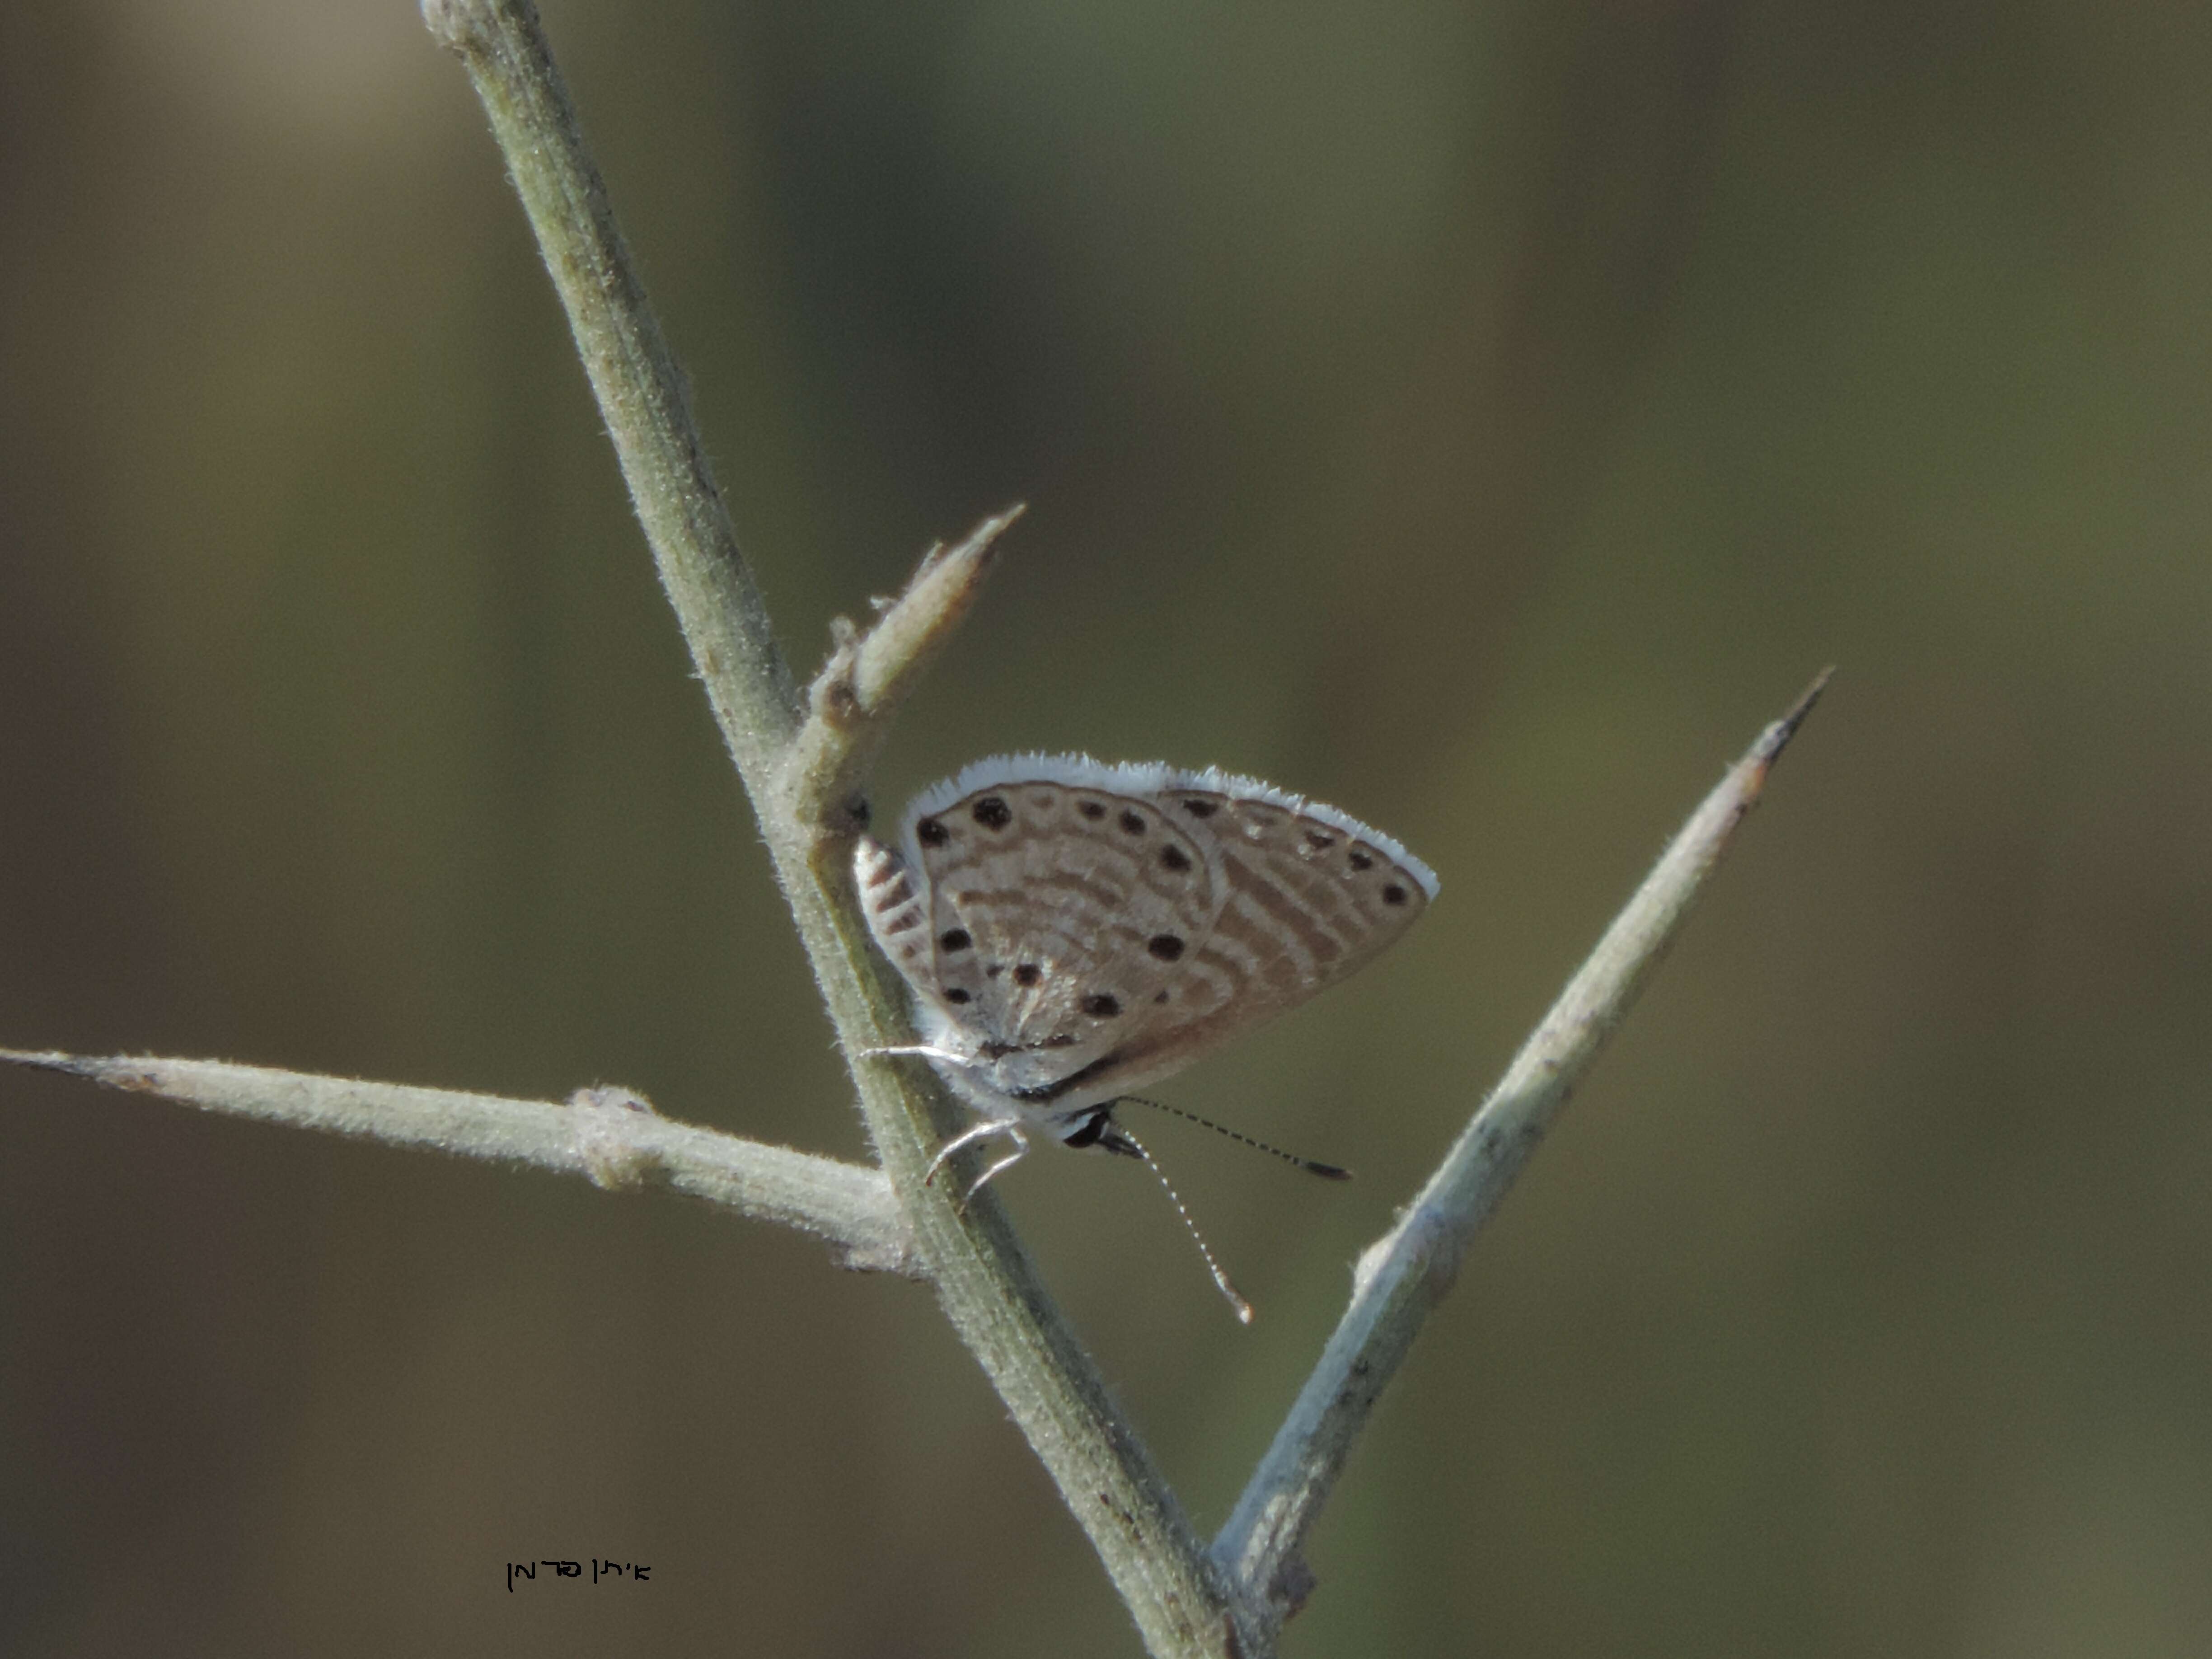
1073, 930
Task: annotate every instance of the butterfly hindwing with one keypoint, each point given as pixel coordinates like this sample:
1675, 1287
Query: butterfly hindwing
1058, 913
893, 902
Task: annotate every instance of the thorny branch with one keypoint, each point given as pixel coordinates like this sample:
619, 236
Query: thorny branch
609, 1135
799, 768
803, 759
1403, 1275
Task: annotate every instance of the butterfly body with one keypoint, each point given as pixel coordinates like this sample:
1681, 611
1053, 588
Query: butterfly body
1073, 930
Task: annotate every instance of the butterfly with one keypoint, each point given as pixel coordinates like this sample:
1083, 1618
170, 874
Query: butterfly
1073, 930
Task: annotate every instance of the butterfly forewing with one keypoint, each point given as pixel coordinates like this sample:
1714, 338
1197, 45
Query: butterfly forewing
1058, 915
1317, 896
1306, 899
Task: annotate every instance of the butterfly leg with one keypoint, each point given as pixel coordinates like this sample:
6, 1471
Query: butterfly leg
1021, 1151
923, 1050
969, 1137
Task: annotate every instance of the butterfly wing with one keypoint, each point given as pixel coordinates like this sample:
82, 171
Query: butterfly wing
1078, 929
1058, 916
894, 904
1308, 895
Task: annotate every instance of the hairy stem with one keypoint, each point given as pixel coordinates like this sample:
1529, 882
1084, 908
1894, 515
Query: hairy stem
988, 1287
609, 1135
1402, 1277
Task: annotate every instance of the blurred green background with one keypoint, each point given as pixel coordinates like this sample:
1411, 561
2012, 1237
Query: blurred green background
1482, 418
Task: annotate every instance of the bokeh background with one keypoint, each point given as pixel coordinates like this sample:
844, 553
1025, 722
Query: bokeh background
1483, 417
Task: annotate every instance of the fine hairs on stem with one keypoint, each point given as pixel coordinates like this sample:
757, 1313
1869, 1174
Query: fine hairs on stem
803, 751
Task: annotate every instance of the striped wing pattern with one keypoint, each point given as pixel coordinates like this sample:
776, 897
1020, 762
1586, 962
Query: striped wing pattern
1075, 905
1105, 925
1307, 900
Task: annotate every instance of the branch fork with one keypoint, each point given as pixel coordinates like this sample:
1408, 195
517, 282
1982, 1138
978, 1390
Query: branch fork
852, 700
805, 757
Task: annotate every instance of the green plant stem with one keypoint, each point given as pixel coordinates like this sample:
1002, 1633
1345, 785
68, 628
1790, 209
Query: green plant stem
1402, 1277
987, 1286
608, 1135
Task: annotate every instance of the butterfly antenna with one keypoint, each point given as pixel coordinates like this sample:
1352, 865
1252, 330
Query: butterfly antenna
1243, 1308
1310, 1165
